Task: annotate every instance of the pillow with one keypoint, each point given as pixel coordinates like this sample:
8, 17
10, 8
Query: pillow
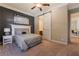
24, 33
21, 31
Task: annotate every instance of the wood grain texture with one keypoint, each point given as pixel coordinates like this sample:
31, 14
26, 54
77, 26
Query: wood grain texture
46, 48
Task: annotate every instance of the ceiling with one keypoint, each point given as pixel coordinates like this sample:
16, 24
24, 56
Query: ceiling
73, 5
26, 7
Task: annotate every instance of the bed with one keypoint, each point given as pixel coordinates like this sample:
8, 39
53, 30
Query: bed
24, 39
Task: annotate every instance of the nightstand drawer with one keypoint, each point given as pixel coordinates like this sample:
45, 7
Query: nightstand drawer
7, 39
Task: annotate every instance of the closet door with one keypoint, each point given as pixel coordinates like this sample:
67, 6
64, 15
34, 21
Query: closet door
60, 24
47, 26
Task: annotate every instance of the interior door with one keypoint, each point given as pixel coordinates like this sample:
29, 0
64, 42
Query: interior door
47, 26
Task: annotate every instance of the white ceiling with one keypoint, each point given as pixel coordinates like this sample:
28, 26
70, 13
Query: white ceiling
73, 5
26, 7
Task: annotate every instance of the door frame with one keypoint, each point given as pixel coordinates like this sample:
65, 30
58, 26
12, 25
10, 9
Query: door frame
69, 22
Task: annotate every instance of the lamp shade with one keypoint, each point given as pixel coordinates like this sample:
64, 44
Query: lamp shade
6, 29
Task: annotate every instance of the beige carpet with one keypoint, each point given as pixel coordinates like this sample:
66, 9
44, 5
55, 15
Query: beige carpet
46, 48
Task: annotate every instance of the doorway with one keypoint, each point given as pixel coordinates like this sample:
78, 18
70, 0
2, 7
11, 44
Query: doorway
74, 28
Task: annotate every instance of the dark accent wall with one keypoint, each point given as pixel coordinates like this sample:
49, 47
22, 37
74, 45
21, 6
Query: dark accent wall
7, 18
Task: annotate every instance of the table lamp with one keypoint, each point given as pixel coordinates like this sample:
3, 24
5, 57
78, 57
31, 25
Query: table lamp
7, 31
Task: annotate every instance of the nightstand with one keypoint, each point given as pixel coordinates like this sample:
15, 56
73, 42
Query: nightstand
7, 39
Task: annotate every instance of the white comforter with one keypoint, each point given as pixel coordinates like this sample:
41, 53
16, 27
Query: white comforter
23, 41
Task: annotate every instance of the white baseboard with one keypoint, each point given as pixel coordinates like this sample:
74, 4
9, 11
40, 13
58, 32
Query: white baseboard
59, 42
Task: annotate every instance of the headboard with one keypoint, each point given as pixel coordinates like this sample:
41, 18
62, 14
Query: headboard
20, 28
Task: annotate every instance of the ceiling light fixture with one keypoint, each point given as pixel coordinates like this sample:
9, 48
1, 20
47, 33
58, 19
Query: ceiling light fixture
38, 5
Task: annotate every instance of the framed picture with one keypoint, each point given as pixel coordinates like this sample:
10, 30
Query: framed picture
21, 20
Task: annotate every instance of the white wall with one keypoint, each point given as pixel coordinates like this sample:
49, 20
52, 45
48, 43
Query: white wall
73, 24
78, 24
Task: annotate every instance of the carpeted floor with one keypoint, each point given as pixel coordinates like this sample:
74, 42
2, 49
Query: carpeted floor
46, 48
